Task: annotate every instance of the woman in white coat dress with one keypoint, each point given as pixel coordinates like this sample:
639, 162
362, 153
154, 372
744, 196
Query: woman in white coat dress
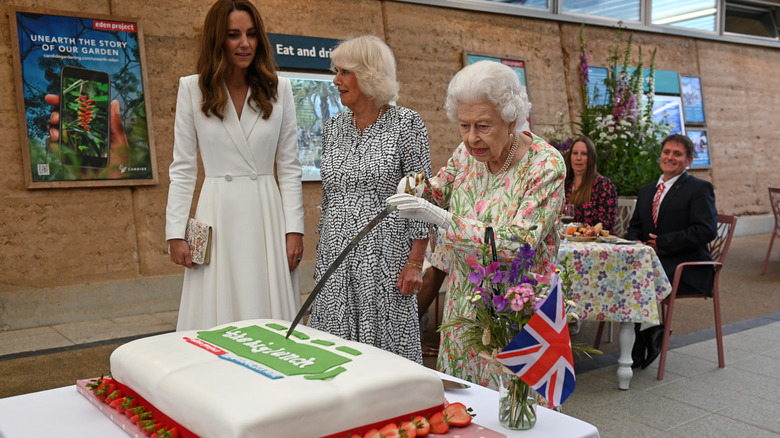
241, 116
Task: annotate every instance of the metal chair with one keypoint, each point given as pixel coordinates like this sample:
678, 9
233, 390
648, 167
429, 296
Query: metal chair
719, 248
626, 208
774, 199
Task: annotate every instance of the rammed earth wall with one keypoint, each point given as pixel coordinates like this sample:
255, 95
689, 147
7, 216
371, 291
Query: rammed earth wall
71, 254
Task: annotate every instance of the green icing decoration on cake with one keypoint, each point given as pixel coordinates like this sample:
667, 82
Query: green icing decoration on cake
349, 350
273, 350
276, 326
322, 342
326, 375
300, 335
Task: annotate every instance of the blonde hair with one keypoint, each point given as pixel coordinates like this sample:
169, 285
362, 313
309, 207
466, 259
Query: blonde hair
371, 60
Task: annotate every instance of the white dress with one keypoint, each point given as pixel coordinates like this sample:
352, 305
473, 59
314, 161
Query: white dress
250, 214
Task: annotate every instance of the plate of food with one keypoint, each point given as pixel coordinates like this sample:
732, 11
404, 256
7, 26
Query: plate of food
585, 232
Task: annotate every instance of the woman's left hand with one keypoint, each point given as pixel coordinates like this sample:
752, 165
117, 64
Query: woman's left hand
294, 250
410, 280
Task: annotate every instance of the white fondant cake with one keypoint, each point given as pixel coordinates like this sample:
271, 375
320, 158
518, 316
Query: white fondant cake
214, 397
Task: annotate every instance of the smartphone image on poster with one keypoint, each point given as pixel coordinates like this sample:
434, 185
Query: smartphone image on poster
84, 117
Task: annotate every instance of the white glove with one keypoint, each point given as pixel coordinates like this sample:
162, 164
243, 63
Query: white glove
411, 207
418, 188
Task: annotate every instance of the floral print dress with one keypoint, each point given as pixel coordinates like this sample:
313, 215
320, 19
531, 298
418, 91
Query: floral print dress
530, 193
602, 206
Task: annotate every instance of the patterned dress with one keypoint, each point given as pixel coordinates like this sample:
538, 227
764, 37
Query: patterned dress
602, 206
530, 193
361, 302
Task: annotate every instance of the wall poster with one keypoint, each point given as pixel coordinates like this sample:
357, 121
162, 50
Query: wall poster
517, 64
669, 109
701, 144
83, 112
692, 100
316, 100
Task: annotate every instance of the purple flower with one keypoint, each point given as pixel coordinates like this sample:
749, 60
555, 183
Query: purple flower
500, 302
584, 75
480, 273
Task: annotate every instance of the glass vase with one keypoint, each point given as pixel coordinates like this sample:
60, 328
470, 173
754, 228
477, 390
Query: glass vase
516, 403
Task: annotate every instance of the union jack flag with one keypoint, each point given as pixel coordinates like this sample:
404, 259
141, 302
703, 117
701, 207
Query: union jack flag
540, 354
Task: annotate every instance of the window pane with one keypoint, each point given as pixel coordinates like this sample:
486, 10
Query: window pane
620, 9
691, 14
542, 4
750, 19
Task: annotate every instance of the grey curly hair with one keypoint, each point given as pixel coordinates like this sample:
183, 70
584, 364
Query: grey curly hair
492, 82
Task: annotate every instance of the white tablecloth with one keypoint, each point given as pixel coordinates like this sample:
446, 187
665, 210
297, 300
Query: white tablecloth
64, 413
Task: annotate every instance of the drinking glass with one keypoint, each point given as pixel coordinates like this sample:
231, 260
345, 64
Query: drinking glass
567, 213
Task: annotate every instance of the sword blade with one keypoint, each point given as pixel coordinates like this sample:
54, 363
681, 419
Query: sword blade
360, 235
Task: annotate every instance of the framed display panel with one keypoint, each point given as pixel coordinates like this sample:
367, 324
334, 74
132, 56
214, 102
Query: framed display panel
316, 100
670, 109
701, 143
597, 89
693, 100
84, 116
516, 64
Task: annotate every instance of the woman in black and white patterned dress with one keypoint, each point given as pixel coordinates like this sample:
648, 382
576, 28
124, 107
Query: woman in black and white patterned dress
371, 298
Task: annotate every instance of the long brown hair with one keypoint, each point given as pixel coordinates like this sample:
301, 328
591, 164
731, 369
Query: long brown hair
582, 194
213, 62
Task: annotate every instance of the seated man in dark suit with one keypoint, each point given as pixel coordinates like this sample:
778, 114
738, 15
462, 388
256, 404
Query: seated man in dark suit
676, 216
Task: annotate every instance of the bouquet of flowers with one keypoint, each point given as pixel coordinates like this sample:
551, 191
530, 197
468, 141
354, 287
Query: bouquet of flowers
504, 299
626, 136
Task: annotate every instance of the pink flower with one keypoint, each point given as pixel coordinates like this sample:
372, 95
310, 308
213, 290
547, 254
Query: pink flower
521, 294
480, 206
471, 260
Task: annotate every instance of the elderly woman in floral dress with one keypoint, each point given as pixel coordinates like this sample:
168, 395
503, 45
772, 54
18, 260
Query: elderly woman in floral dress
499, 177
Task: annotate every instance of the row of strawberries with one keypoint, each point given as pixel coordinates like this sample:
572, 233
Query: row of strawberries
455, 414
106, 391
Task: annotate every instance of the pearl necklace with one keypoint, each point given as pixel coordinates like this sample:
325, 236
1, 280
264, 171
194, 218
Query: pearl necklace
511, 156
359, 131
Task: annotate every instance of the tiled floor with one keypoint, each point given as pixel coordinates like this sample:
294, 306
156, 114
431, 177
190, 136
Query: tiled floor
695, 399
32, 340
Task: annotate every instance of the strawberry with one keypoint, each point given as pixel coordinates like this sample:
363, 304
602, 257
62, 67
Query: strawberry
422, 425
457, 414
173, 432
390, 431
127, 403
148, 426
373, 433
116, 394
135, 410
438, 423
116, 402
408, 430
97, 383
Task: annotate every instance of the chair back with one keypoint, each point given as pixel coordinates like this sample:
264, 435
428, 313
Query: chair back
774, 200
626, 208
719, 247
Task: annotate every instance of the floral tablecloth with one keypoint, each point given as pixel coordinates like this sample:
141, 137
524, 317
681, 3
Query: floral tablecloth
621, 283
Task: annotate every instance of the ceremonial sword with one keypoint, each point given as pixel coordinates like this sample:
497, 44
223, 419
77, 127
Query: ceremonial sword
418, 177
376, 220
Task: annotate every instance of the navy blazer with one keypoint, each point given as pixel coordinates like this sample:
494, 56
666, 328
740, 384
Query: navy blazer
687, 223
